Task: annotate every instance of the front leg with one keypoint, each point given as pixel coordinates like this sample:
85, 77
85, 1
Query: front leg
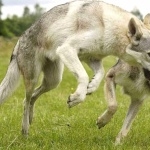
111, 100
69, 57
132, 112
97, 67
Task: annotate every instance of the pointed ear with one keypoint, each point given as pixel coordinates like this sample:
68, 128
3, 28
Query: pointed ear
135, 33
147, 19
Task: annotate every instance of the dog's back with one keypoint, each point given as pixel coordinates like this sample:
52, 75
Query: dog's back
64, 21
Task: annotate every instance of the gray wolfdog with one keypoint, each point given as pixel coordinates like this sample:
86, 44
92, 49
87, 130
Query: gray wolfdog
68, 33
135, 82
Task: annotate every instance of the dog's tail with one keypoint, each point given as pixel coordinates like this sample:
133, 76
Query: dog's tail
11, 80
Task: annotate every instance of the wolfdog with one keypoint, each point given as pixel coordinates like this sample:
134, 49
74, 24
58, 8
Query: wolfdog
67, 34
135, 82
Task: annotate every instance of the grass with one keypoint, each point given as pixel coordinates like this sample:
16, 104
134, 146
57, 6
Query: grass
56, 127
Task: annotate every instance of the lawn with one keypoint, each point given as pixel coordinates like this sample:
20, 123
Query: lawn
56, 127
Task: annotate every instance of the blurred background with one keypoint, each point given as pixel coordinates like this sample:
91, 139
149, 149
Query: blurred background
17, 15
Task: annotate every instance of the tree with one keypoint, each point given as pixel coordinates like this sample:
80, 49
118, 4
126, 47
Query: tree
1, 4
38, 12
15, 26
26, 11
137, 13
4, 31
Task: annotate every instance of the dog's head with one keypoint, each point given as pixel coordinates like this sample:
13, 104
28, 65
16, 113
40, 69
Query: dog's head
139, 35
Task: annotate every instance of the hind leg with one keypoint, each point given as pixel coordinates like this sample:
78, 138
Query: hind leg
30, 85
52, 77
97, 67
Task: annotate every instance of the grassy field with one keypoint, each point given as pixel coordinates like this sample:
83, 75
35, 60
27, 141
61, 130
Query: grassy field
56, 127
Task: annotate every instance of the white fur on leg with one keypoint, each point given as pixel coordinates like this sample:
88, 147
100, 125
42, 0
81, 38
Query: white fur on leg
99, 74
70, 58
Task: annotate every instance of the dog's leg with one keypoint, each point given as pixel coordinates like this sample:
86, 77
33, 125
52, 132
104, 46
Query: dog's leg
133, 110
111, 100
52, 77
30, 84
30, 69
98, 70
69, 56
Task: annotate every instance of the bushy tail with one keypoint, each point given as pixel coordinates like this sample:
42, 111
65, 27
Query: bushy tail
10, 82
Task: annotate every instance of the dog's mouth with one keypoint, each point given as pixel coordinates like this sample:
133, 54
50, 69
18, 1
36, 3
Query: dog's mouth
148, 54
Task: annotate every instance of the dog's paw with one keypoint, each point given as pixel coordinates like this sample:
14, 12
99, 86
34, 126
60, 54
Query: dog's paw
75, 99
24, 132
92, 87
100, 122
117, 142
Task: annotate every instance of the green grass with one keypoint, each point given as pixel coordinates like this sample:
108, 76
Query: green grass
56, 127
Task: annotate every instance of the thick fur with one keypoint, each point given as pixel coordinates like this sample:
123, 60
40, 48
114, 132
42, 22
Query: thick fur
67, 34
10, 82
135, 82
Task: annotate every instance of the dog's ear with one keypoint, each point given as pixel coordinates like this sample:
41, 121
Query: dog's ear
134, 33
147, 19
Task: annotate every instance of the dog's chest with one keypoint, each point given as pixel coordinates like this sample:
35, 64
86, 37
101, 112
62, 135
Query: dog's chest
135, 83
